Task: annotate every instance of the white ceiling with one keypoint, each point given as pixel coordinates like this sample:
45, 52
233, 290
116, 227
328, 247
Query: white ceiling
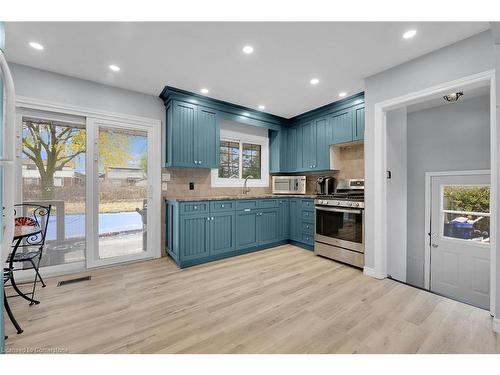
195, 55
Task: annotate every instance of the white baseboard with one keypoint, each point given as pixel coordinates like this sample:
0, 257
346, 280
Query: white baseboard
496, 325
369, 272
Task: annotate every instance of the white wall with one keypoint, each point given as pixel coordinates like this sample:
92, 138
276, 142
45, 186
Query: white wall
451, 137
396, 194
470, 56
41, 84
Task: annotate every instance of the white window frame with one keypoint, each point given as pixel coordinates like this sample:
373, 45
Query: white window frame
236, 136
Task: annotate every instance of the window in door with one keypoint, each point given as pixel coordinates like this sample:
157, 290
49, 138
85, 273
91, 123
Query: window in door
53, 172
466, 213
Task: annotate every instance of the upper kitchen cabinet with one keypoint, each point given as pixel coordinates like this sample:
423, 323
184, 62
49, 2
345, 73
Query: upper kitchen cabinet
192, 136
342, 126
359, 122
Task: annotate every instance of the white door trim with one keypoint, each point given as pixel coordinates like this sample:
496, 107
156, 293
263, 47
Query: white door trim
154, 153
427, 215
378, 164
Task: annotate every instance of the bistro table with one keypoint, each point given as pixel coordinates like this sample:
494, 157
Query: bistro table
22, 233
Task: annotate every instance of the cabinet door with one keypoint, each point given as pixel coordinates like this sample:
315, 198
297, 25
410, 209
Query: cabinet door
309, 145
294, 220
222, 232
323, 144
268, 226
206, 138
183, 135
284, 219
359, 122
193, 237
246, 229
341, 123
294, 149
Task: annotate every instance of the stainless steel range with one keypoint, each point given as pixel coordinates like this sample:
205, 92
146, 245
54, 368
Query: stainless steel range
340, 223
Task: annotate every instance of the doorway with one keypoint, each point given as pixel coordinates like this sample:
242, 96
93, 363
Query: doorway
458, 254
101, 177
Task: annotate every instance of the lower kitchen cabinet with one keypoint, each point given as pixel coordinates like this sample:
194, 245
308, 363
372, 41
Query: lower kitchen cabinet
246, 228
202, 231
284, 219
193, 236
222, 232
268, 226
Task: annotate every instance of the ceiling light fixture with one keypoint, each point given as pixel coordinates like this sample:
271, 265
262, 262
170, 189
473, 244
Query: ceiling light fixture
453, 97
342, 94
262, 107
314, 81
409, 34
204, 91
114, 68
36, 45
248, 50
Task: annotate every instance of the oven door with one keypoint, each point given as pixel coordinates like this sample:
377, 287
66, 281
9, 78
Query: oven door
342, 227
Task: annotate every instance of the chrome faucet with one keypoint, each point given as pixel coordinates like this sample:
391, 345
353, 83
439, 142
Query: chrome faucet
245, 190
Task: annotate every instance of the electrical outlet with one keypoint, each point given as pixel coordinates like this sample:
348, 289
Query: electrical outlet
165, 177
164, 186
191, 186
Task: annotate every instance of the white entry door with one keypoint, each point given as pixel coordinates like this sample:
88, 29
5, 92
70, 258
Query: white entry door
459, 238
122, 192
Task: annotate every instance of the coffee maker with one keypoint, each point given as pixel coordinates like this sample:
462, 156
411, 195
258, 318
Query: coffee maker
325, 185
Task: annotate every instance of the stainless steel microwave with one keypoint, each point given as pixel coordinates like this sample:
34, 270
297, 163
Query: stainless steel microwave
289, 184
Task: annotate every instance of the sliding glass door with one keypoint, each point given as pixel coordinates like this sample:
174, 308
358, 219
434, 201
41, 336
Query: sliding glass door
53, 172
100, 177
121, 192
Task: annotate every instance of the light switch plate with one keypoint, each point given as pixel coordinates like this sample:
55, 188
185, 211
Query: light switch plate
164, 186
165, 177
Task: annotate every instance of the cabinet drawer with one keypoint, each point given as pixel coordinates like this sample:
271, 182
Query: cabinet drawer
307, 227
193, 207
307, 215
307, 204
268, 203
308, 238
243, 205
222, 206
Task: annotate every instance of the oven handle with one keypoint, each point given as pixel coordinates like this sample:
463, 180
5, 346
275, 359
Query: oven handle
343, 210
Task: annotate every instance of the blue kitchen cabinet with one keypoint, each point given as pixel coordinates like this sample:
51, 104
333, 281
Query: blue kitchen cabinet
359, 122
181, 149
268, 226
278, 150
342, 126
247, 228
309, 146
294, 149
192, 136
222, 232
194, 236
284, 219
294, 211
323, 135
206, 138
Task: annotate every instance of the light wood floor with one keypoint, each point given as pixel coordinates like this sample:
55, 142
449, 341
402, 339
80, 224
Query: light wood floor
281, 300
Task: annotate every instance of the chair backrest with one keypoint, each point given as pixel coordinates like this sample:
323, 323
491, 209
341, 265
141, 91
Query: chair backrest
33, 214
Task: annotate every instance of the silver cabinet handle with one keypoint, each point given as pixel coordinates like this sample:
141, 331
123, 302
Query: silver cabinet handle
247, 210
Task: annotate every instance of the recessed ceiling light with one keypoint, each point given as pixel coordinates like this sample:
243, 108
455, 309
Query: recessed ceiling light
314, 81
248, 50
409, 34
114, 68
36, 45
262, 107
342, 94
204, 90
